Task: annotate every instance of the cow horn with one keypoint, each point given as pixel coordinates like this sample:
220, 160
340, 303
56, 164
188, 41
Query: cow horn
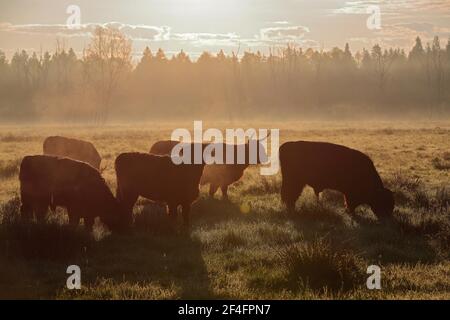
266, 137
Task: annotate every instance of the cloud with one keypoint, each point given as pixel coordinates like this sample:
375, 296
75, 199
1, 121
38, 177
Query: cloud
281, 22
426, 28
279, 34
397, 7
291, 33
135, 32
403, 34
144, 32
401, 21
47, 29
207, 39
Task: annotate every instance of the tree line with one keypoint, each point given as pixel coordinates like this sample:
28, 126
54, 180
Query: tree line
104, 84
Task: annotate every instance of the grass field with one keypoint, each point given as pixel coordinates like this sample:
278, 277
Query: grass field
231, 252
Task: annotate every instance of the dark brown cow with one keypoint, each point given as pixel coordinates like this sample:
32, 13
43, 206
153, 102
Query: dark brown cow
217, 175
157, 178
330, 166
47, 181
164, 148
72, 148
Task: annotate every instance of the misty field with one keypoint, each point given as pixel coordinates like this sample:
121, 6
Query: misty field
247, 247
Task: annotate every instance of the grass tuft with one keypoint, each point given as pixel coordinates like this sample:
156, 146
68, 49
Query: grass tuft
442, 162
318, 267
9, 169
10, 211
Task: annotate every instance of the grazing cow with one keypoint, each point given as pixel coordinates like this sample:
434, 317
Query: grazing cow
72, 148
47, 181
329, 166
164, 148
218, 175
158, 179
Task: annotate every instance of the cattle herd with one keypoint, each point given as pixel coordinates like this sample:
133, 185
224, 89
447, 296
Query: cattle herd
68, 175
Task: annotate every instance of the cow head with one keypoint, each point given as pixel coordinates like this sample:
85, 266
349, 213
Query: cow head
112, 212
116, 218
383, 204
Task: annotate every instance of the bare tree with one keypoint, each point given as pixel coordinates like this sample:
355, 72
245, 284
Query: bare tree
107, 58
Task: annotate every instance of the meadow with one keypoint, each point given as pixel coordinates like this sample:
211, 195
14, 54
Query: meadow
247, 247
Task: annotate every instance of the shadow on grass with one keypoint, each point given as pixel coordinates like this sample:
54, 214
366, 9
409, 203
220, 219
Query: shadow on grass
34, 259
170, 260
210, 211
399, 239
157, 260
395, 241
35, 267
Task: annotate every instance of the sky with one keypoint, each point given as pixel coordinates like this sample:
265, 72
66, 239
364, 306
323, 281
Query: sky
232, 25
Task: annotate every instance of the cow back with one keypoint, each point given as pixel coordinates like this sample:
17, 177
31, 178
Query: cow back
72, 148
326, 165
158, 178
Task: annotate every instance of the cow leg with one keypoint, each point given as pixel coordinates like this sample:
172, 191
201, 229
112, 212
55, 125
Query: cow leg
74, 219
41, 211
290, 205
224, 192
186, 209
317, 193
289, 195
89, 223
40, 214
26, 208
53, 208
212, 189
127, 202
26, 212
349, 205
172, 211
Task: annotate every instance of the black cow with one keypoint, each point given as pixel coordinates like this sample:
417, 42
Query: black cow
218, 175
72, 148
47, 181
157, 178
329, 166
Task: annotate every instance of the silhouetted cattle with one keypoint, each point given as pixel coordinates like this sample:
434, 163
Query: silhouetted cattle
157, 178
164, 148
218, 175
47, 181
329, 166
72, 148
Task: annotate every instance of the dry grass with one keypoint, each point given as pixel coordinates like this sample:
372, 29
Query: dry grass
318, 267
320, 253
442, 162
